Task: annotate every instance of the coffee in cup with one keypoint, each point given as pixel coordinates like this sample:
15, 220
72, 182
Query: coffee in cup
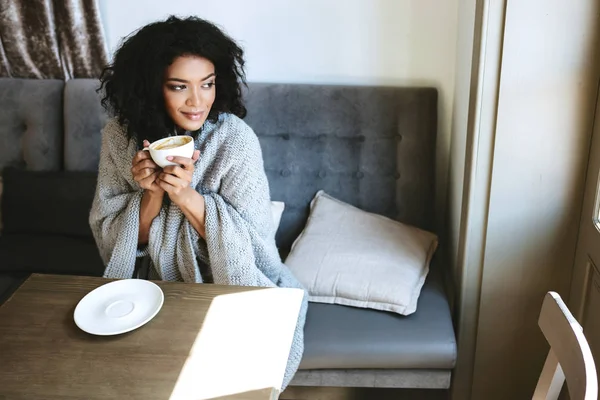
176, 146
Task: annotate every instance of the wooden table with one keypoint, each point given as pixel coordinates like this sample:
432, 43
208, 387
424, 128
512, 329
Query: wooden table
177, 355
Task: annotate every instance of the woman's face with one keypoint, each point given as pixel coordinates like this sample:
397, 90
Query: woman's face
189, 91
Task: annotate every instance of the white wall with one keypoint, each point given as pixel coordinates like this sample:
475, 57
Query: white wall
371, 42
527, 153
458, 132
463, 116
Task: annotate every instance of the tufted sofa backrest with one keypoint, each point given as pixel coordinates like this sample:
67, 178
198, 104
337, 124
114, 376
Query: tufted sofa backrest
373, 147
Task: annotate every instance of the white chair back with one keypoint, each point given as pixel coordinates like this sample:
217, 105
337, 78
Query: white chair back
569, 357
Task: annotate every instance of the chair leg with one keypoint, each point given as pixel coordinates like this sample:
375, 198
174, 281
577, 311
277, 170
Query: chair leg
551, 379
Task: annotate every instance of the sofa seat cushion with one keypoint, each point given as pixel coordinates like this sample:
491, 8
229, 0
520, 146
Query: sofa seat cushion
343, 337
46, 202
9, 283
50, 254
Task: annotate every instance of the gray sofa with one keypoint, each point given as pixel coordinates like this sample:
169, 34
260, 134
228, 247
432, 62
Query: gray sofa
373, 147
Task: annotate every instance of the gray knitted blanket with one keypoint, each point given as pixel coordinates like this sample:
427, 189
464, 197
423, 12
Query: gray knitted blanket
240, 246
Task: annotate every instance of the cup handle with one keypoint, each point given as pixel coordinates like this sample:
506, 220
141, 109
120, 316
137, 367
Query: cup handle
146, 149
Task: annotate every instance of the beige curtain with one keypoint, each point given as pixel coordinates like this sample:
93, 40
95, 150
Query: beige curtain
44, 39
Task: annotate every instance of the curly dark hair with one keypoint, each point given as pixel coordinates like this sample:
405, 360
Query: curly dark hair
132, 85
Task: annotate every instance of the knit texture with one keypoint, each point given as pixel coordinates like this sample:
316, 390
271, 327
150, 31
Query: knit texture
240, 244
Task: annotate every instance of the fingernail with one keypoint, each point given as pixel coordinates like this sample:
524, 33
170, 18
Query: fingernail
170, 158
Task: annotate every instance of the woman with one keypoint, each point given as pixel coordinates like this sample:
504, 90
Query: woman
207, 219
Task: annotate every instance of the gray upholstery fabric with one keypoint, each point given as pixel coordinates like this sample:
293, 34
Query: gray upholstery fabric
47, 202
9, 283
341, 337
376, 378
31, 124
49, 254
372, 147
84, 120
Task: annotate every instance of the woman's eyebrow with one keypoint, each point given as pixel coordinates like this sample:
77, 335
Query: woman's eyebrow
184, 81
177, 80
209, 76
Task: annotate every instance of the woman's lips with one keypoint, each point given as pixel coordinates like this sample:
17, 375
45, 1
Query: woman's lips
193, 116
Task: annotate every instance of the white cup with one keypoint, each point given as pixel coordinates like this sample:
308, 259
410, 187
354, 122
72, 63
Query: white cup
181, 146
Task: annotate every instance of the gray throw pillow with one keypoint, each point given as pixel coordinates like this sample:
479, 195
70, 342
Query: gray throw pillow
351, 257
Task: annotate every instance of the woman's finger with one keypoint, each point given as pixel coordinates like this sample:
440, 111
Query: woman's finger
166, 186
184, 162
147, 181
140, 156
171, 179
196, 155
143, 174
142, 165
175, 170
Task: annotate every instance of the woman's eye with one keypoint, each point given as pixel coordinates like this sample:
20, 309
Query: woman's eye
177, 88
208, 85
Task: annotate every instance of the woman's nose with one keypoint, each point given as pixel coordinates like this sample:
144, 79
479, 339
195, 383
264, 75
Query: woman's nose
193, 99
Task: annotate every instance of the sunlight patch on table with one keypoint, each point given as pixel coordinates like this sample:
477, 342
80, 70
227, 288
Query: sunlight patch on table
243, 345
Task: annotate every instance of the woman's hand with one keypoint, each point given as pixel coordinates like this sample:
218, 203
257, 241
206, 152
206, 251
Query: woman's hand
176, 179
145, 171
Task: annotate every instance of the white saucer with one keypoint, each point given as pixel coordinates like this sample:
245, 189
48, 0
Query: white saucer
118, 307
